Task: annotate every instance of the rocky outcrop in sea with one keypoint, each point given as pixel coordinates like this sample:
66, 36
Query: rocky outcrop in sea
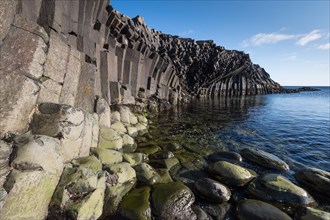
78, 81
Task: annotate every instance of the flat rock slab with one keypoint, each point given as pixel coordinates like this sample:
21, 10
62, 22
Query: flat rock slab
264, 159
259, 210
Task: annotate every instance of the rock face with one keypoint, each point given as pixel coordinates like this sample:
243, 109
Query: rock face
259, 210
315, 179
274, 187
264, 159
173, 201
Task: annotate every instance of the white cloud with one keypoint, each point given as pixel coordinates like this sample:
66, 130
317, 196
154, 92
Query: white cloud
324, 46
312, 36
263, 38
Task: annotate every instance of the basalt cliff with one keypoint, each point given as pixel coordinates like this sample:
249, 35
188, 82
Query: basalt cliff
77, 79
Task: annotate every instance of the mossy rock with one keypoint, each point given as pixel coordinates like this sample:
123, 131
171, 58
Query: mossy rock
116, 144
113, 196
29, 194
146, 174
161, 155
89, 162
172, 201
119, 127
135, 205
274, 187
132, 130
148, 150
123, 171
142, 119
141, 128
107, 156
164, 176
165, 163
108, 133
231, 174
134, 158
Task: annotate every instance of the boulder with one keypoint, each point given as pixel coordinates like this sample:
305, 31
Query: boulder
115, 116
71, 125
136, 204
309, 213
212, 190
274, 187
146, 174
89, 162
164, 176
172, 146
119, 127
103, 110
264, 159
165, 163
107, 156
200, 213
134, 158
142, 119
172, 201
38, 152
79, 194
132, 131
148, 149
141, 128
161, 155
228, 156
29, 194
122, 172
125, 115
133, 119
231, 174
315, 179
259, 210
218, 211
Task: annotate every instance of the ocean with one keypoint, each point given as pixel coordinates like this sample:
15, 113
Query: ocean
295, 127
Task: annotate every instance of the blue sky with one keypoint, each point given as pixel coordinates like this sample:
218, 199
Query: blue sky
290, 39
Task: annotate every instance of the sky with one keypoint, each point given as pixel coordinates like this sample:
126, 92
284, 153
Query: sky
290, 39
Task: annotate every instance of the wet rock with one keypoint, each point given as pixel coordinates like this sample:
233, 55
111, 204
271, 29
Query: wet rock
212, 190
228, 156
89, 162
161, 155
259, 210
165, 163
79, 195
172, 201
264, 159
231, 174
135, 158
29, 194
136, 204
172, 146
315, 179
219, 212
164, 176
309, 213
274, 187
146, 174
148, 150
200, 213
107, 156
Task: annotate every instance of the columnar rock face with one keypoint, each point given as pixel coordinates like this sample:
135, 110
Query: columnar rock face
71, 52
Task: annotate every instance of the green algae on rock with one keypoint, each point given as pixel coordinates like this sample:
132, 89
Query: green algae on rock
135, 205
231, 174
274, 187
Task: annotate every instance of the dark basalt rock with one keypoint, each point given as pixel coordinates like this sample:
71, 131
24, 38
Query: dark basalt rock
259, 210
172, 201
264, 159
228, 156
315, 179
308, 213
212, 190
276, 188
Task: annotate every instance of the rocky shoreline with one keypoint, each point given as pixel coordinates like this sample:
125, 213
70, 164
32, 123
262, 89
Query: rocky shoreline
73, 165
